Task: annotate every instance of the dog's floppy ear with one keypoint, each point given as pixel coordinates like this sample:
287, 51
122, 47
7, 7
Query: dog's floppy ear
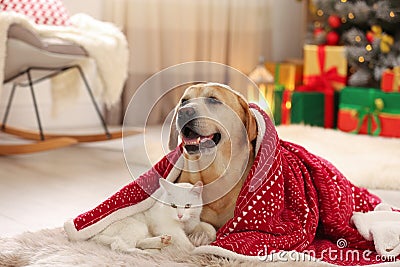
173, 132
250, 120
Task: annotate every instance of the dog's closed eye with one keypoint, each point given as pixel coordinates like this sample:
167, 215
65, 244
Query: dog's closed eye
213, 100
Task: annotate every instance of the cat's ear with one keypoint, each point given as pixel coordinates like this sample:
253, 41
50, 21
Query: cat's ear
197, 188
164, 183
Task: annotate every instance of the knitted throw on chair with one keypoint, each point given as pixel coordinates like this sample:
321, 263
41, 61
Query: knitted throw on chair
291, 201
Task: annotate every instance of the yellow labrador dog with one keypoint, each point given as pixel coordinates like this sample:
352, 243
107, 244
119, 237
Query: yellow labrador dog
218, 133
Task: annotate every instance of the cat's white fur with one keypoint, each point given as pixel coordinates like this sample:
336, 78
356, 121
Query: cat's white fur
168, 222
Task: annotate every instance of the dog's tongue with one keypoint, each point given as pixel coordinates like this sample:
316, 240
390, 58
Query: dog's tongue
197, 140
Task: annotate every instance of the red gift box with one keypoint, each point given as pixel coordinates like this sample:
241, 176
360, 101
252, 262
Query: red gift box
390, 125
390, 81
369, 111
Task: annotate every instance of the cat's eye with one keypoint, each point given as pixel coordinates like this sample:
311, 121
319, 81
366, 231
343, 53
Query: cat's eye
173, 205
187, 206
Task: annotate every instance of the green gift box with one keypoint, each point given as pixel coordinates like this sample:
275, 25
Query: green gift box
309, 108
278, 96
369, 111
276, 69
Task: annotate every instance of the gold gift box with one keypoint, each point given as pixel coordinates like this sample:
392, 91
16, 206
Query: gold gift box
290, 73
334, 57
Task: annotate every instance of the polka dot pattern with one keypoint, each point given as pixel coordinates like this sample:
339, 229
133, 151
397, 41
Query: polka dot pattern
291, 200
49, 12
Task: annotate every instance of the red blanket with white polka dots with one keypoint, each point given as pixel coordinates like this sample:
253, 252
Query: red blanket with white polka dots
291, 200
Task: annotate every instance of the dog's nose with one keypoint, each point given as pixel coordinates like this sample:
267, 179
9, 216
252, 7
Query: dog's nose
186, 112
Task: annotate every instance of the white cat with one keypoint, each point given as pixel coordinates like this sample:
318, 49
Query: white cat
168, 222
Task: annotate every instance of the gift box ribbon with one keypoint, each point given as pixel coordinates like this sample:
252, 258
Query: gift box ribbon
323, 83
396, 79
286, 107
371, 115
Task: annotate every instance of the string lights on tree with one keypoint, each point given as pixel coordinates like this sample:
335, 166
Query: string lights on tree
369, 29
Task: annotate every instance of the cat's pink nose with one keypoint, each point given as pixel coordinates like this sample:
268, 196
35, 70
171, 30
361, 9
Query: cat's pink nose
180, 216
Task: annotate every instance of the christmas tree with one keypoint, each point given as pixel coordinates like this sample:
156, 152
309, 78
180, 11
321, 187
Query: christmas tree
369, 29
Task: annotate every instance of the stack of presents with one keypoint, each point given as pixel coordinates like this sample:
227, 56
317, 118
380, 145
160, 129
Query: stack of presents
315, 92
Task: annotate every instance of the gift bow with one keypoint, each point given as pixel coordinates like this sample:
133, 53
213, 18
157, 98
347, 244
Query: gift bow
323, 83
386, 41
371, 115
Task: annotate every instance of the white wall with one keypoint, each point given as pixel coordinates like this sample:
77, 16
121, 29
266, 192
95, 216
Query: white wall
288, 29
92, 7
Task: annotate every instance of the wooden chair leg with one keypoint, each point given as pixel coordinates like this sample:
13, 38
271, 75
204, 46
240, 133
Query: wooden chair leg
96, 107
35, 105
8, 107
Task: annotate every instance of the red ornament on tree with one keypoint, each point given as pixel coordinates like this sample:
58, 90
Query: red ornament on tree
318, 31
334, 21
332, 38
370, 36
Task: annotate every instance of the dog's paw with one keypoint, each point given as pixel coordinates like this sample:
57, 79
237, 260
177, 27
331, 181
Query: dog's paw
203, 234
210, 231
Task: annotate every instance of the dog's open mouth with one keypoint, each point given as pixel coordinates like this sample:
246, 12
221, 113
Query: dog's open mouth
194, 142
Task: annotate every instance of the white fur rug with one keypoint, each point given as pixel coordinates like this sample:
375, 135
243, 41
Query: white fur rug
51, 248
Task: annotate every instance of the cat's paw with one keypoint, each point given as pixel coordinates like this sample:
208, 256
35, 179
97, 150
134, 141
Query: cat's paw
165, 240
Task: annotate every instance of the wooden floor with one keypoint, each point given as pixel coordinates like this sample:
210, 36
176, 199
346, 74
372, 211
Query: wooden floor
42, 190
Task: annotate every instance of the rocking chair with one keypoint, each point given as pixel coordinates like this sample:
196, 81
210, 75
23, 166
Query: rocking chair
27, 56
